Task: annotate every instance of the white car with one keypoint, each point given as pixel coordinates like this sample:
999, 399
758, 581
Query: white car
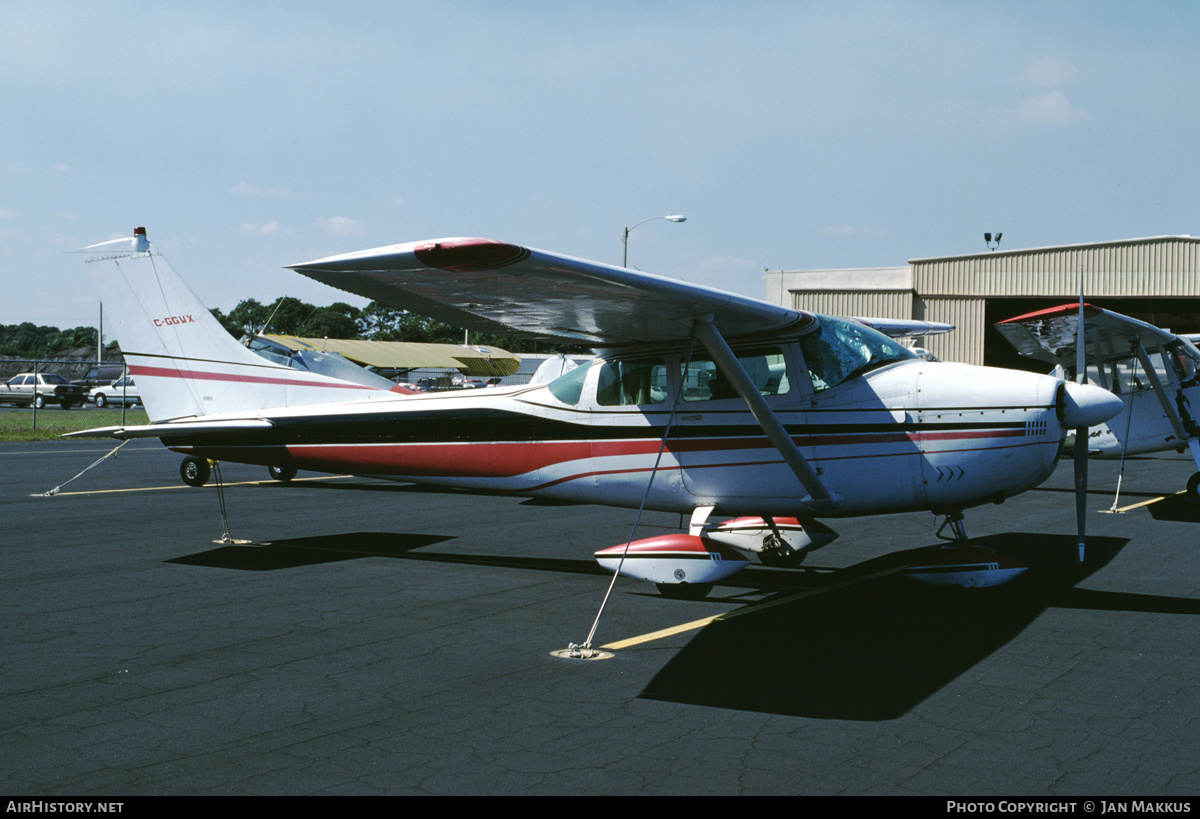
123, 390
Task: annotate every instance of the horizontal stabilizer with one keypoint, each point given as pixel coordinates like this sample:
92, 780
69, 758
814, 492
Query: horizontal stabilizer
176, 429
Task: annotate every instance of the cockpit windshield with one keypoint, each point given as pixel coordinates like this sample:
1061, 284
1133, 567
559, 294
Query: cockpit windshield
839, 350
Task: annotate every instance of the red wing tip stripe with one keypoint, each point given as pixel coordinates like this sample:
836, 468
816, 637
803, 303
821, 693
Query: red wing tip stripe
1062, 311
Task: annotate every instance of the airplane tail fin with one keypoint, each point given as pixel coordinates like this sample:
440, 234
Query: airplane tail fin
183, 360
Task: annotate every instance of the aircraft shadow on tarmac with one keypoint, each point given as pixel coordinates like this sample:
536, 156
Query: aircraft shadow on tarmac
867, 651
307, 551
1179, 508
874, 651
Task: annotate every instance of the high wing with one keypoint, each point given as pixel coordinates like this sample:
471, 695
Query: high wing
1049, 335
905, 328
492, 286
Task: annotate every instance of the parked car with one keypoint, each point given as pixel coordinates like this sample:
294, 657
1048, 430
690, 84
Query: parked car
41, 389
123, 390
99, 375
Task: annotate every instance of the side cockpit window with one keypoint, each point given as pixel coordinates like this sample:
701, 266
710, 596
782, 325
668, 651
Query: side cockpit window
839, 350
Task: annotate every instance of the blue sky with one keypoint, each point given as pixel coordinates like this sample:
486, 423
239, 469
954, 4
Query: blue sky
246, 136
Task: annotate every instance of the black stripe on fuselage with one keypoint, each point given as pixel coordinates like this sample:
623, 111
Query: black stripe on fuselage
502, 426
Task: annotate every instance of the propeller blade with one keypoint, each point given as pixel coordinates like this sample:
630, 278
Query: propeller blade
1081, 433
1081, 478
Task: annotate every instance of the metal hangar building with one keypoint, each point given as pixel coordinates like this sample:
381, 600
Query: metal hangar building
1156, 280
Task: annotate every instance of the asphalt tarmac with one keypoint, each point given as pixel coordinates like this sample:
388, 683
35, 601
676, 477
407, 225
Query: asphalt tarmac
380, 638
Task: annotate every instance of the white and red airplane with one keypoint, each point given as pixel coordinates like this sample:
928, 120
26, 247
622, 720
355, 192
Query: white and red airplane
702, 402
1156, 374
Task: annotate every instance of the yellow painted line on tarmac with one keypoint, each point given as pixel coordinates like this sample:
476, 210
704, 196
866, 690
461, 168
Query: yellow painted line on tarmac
751, 609
1148, 502
185, 486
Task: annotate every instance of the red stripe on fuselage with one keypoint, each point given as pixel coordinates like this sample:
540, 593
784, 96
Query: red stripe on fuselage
200, 375
513, 459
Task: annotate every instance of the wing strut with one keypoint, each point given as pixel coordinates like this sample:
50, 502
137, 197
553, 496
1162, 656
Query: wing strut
1160, 392
822, 499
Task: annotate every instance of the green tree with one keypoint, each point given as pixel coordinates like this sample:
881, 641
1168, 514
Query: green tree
248, 317
228, 323
288, 315
377, 318
338, 320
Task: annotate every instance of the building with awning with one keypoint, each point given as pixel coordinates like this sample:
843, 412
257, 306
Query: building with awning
470, 360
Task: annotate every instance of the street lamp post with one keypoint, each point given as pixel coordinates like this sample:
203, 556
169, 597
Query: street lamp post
625, 238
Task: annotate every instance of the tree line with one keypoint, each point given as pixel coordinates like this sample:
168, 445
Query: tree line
289, 316
27, 340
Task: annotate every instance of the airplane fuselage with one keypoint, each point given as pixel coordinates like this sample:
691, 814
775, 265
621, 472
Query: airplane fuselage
912, 435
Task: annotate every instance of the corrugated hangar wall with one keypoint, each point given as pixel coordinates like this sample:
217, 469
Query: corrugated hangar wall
970, 291
854, 303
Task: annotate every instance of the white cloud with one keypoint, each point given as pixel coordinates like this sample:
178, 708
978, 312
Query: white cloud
62, 167
342, 226
255, 229
9, 213
1051, 108
1048, 72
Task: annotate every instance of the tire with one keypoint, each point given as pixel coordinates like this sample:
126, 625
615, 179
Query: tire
101, 401
1193, 486
195, 471
685, 591
282, 473
39, 402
